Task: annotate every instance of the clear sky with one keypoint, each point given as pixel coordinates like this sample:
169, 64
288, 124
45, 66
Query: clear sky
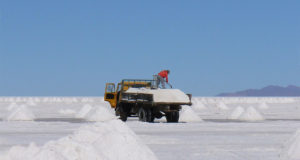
72, 48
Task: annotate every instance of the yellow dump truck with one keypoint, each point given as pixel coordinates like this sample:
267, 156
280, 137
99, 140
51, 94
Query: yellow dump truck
142, 98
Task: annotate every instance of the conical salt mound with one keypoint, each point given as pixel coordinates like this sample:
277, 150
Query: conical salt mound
198, 105
251, 114
101, 114
84, 111
21, 113
187, 114
222, 106
112, 140
236, 113
263, 106
31, 103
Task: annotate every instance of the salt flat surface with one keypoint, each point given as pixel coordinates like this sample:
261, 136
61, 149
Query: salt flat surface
216, 140
216, 137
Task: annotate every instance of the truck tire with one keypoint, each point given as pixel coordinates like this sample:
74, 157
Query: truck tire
123, 114
142, 114
145, 115
172, 117
151, 116
117, 111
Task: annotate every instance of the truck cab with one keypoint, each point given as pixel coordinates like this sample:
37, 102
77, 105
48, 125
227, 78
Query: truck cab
113, 95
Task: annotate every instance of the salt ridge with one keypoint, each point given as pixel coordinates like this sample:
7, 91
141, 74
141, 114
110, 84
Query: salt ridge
111, 140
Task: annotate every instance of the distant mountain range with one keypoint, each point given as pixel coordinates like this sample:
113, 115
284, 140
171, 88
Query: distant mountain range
269, 91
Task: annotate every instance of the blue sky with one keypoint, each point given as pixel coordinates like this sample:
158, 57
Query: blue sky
72, 48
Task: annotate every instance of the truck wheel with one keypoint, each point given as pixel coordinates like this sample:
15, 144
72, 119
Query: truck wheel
145, 115
123, 114
117, 111
151, 116
142, 114
172, 116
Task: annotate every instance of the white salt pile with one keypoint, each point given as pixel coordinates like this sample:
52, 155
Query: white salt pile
111, 140
163, 95
84, 111
100, 113
222, 106
236, 113
263, 106
197, 105
291, 150
74, 100
58, 100
37, 100
86, 100
187, 114
96, 113
66, 111
20, 113
251, 114
31, 103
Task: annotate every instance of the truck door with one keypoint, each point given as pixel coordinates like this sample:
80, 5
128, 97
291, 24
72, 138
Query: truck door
110, 94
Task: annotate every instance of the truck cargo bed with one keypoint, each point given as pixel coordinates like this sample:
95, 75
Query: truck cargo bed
157, 96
